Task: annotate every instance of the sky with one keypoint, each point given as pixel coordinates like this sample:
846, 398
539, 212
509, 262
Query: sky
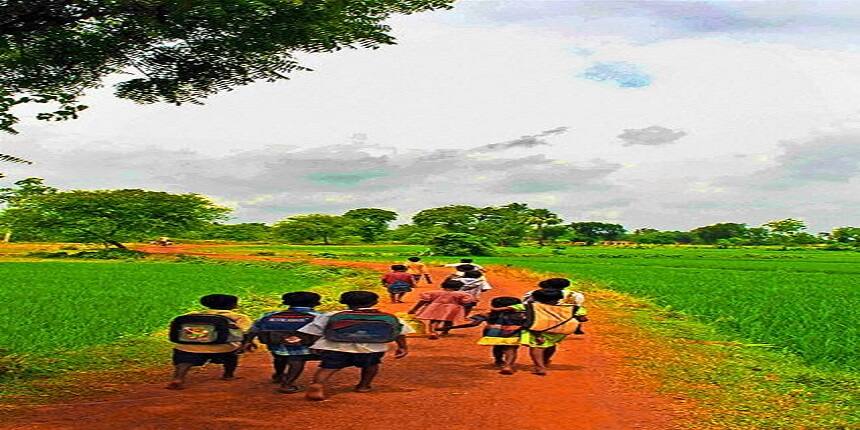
658, 114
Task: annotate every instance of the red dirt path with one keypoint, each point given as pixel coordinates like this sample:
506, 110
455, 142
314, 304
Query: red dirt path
443, 384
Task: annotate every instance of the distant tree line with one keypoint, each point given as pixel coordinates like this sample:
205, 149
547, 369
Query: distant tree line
33, 211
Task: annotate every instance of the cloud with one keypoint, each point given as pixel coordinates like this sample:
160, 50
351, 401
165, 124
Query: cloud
623, 74
650, 136
530, 141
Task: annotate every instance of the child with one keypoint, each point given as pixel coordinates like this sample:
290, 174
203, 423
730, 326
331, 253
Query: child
442, 307
475, 284
398, 282
468, 261
418, 270
365, 352
278, 330
502, 331
569, 297
214, 335
542, 344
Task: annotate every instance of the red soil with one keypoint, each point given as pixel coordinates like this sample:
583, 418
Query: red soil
443, 384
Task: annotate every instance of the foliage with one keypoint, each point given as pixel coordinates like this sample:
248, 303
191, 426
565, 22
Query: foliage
454, 218
312, 228
592, 232
101, 254
52, 51
849, 235
110, 216
243, 232
712, 233
371, 223
657, 237
460, 244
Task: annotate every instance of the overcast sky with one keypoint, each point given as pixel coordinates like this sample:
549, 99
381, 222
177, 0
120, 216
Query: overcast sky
652, 114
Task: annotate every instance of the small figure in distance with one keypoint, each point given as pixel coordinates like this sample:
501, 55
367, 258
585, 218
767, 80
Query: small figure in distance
357, 337
398, 282
502, 331
418, 270
215, 335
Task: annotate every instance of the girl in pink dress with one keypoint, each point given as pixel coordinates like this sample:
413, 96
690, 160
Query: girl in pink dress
442, 307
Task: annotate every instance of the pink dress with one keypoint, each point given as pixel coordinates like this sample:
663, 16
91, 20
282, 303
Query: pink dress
444, 305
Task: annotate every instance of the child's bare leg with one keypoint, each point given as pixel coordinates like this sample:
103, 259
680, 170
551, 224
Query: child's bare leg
280, 364
393, 297
293, 372
230, 365
179, 372
538, 359
498, 355
445, 326
316, 391
367, 375
578, 329
434, 324
400, 297
509, 354
547, 355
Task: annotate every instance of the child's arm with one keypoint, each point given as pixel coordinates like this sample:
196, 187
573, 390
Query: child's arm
418, 306
402, 347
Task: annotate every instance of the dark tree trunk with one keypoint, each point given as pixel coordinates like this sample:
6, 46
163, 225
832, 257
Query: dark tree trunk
116, 244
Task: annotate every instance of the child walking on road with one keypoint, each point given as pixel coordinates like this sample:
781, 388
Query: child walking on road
398, 282
418, 270
357, 337
279, 331
442, 307
213, 335
502, 331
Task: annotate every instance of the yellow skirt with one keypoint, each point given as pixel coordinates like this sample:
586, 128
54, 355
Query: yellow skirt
495, 341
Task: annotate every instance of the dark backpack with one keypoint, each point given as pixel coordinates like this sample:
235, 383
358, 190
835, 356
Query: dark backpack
282, 328
363, 326
204, 329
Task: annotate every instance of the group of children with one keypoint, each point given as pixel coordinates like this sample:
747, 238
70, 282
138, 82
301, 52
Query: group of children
359, 336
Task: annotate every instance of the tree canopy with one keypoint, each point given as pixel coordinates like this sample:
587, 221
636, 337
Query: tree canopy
109, 216
371, 223
312, 227
176, 51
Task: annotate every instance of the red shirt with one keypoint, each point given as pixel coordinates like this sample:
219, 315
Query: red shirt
392, 277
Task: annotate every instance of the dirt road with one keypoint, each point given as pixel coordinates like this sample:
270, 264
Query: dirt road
445, 384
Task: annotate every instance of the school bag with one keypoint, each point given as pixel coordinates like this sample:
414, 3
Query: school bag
204, 329
362, 326
555, 319
282, 328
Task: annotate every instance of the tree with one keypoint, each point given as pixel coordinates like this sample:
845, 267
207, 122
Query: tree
541, 219
312, 227
712, 233
454, 218
597, 231
111, 216
243, 232
849, 235
23, 189
460, 244
785, 229
506, 225
371, 223
52, 51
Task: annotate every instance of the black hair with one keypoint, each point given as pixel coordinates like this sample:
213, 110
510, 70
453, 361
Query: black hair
465, 268
413, 259
504, 301
547, 296
472, 274
305, 299
398, 268
220, 301
554, 283
466, 260
359, 299
452, 284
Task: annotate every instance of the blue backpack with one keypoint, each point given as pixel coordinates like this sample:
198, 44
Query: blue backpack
282, 328
363, 326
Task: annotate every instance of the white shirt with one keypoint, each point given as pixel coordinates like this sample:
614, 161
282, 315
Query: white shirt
474, 286
317, 328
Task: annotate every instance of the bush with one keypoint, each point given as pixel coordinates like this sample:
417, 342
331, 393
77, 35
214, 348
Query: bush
102, 254
460, 244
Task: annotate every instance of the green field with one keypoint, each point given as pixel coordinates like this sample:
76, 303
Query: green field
806, 302
56, 309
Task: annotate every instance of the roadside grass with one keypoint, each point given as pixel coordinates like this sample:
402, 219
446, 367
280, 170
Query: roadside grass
69, 321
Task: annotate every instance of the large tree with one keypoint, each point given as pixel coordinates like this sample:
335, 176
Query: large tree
177, 51
313, 228
110, 216
592, 231
454, 218
726, 230
371, 223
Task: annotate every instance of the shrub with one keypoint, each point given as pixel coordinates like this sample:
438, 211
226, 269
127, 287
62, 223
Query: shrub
460, 244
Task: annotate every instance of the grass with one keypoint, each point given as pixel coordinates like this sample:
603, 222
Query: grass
63, 316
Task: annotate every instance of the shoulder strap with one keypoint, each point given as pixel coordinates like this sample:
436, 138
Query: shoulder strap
572, 317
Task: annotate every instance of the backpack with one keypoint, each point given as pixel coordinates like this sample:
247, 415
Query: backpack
204, 329
362, 326
282, 328
555, 319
